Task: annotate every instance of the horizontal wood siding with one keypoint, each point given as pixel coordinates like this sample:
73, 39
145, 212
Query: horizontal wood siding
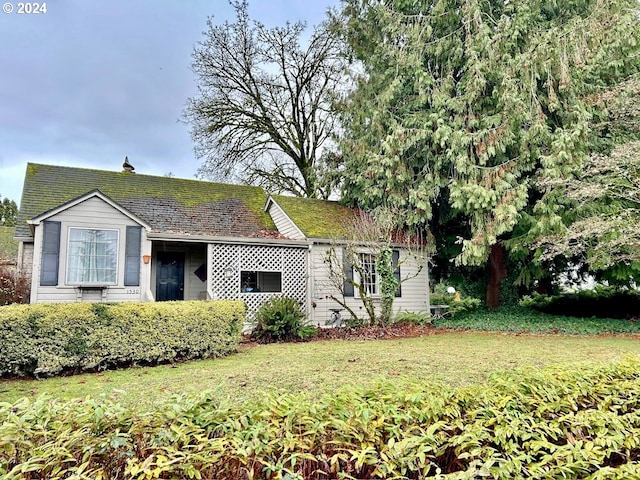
92, 213
415, 291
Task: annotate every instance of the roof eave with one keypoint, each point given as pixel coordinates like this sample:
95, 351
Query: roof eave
160, 236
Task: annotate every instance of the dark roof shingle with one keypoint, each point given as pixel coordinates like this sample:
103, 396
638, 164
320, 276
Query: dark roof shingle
168, 205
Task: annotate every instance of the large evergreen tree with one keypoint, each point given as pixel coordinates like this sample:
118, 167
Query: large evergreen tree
476, 104
8, 212
601, 231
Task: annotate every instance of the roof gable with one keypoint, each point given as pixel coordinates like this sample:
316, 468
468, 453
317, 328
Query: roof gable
284, 224
317, 218
166, 205
84, 198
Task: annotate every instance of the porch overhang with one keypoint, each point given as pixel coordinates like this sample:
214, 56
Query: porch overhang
179, 237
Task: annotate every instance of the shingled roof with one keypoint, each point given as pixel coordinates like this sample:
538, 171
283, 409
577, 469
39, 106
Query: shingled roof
317, 218
167, 205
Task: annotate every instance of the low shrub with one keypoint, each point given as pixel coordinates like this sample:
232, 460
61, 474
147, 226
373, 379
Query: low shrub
457, 304
49, 339
281, 318
413, 318
581, 421
601, 302
14, 287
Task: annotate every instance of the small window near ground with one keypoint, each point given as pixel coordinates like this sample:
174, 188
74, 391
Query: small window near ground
268, 282
92, 257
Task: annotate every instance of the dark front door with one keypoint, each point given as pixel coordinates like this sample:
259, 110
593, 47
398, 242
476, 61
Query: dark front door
170, 276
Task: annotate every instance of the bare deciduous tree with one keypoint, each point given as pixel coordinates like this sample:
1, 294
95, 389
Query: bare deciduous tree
264, 109
368, 252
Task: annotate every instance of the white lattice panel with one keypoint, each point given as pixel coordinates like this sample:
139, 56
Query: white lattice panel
255, 300
294, 282
290, 261
225, 257
262, 258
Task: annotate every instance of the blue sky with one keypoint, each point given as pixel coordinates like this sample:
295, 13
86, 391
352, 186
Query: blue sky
89, 82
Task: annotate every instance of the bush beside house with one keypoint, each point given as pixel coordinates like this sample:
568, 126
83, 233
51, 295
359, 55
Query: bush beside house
49, 339
8, 246
14, 287
601, 302
281, 318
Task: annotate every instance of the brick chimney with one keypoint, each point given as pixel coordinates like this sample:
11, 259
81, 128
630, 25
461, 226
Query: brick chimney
127, 166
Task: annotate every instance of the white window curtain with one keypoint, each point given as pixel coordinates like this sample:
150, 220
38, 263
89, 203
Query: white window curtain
92, 256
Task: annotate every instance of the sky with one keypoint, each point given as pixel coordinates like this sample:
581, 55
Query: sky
92, 81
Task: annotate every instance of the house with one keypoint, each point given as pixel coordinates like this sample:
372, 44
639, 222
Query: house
93, 235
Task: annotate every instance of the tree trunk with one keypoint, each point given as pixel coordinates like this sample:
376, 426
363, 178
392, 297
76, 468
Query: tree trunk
497, 271
545, 286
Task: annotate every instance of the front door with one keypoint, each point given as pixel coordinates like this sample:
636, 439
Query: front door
170, 276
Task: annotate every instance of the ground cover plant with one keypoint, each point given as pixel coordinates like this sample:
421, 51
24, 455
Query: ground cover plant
561, 422
525, 320
602, 301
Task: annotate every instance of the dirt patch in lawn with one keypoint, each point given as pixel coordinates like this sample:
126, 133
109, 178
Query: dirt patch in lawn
397, 330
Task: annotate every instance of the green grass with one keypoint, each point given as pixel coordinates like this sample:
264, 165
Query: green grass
315, 368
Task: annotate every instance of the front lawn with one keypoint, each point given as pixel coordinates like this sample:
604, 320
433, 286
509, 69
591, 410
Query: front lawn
314, 368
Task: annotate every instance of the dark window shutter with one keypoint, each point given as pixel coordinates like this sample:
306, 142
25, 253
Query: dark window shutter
132, 256
348, 275
395, 258
50, 254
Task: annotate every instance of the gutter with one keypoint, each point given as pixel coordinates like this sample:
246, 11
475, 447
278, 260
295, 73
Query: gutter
228, 240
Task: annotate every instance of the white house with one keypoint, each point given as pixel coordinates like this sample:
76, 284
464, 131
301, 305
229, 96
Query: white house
106, 236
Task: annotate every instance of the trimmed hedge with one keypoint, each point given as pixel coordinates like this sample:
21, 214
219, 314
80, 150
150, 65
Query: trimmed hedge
581, 421
49, 339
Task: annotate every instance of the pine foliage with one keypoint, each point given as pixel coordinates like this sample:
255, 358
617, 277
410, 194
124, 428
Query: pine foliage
477, 103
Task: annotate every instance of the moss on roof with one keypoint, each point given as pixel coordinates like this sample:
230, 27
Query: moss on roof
8, 247
317, 218
48, 186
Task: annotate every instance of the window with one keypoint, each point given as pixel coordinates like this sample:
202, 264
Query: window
92, 257
269, 282
367, 266
369, 281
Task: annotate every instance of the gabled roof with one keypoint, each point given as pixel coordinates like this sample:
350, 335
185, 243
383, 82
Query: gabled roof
76, 201
317, 218
167, 205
